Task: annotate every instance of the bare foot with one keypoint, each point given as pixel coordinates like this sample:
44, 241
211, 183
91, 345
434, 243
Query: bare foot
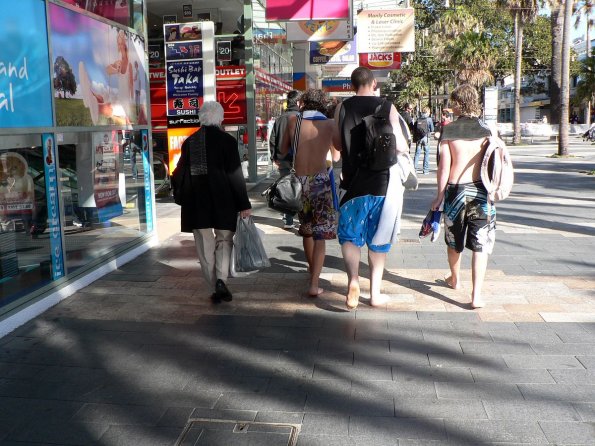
315, 292
352, 297
379, 300
477, 303
455, 285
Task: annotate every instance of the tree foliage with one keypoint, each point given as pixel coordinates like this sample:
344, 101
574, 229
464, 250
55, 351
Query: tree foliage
64, 80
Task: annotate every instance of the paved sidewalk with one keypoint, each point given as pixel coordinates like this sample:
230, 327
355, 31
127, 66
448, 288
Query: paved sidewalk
131, 358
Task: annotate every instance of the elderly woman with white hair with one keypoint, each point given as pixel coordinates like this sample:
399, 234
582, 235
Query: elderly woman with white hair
218, 195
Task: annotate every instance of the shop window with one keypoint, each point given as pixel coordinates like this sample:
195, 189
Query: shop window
25, 260
103, 193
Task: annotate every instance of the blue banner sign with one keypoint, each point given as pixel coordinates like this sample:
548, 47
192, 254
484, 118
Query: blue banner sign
25, 92
144, 134
53, 204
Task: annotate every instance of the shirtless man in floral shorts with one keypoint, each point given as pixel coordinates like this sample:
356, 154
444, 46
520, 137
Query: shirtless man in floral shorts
318, 217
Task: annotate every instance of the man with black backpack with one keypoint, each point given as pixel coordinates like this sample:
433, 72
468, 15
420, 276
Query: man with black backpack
424, 127
367, 188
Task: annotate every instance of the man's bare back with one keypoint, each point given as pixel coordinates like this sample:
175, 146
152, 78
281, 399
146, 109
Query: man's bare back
466, 156
314, 143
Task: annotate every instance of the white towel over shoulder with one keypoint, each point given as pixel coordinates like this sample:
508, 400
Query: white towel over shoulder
390, 217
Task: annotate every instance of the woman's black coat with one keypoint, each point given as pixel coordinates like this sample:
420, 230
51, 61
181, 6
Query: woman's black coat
218, 196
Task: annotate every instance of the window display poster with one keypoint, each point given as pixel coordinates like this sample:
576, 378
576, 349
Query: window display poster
144, 134
283, 10
184, 87
105, 175
53, 205
25, 90
100, 80
175, 139
113, 10
17, 190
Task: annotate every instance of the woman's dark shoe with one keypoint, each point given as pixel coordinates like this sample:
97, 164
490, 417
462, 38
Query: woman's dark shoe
215, 299
222, 292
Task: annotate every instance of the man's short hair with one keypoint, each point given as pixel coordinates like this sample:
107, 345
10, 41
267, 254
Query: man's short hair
314, 99
361, 77
466, 99
293, 97
407, 106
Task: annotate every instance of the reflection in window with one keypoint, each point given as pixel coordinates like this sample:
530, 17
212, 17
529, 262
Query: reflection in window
102, 179
25, 260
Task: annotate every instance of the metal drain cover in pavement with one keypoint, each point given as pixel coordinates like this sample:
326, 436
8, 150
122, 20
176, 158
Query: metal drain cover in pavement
215, 432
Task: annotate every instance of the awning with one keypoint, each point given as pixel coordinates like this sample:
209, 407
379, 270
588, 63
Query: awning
271, 81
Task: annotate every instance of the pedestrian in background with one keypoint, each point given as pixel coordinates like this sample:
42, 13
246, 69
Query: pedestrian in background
424, 127
218, 194
283, 162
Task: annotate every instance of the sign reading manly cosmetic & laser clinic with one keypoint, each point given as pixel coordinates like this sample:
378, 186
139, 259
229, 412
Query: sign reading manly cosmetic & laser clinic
25, 89
319, 30
53, 204
189, 66
284, 10
382, 31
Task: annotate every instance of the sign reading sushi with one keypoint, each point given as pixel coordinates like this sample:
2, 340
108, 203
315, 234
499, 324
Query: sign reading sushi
189, 66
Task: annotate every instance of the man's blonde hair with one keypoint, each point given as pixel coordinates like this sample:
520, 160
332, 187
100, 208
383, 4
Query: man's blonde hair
466, 99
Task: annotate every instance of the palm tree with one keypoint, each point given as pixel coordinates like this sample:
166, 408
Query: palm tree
585, 89
565, 84
557, 26
474, 57
585, 7
522, 11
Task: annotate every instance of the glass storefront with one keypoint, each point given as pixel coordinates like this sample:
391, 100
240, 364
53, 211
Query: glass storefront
103, 192
25, 258
102, 195
76, 181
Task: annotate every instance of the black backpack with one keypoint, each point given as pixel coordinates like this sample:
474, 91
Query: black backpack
421, 128
380, 150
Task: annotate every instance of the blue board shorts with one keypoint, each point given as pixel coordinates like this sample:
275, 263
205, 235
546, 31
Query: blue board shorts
358, 222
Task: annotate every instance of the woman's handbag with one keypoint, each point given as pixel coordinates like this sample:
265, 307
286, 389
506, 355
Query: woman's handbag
285, 194
181, 181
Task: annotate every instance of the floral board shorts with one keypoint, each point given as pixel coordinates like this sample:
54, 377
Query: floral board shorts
466, 220
318, 218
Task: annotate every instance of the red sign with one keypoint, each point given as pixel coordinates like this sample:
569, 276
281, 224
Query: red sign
231, 93
285, 10
380, 61
158, 98
230, 72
